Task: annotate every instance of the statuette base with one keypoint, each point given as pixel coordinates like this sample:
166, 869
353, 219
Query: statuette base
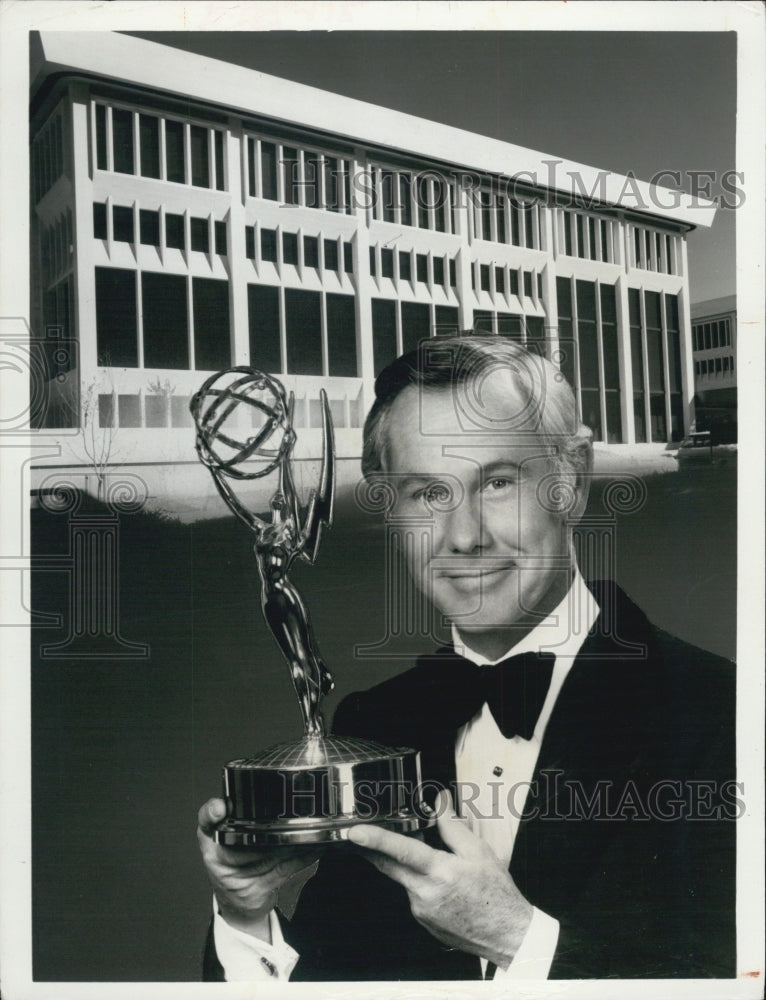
312, 791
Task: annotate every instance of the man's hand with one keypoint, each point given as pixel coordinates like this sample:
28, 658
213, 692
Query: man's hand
463, 896
246, 882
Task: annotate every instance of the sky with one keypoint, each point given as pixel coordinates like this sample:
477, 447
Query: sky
636, 101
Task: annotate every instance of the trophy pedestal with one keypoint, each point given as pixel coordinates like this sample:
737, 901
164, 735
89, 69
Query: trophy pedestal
312, 791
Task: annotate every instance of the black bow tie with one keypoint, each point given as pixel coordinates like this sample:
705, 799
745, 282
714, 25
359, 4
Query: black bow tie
515, 691
452, 689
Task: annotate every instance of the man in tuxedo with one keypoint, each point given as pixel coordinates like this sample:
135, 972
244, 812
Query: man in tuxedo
586, 758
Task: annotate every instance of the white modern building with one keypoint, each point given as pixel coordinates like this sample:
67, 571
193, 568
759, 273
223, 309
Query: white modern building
189, 215
714, 347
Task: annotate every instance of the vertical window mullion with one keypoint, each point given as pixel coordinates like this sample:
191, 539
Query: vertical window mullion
139, 317
576, 338
163, 152
190, 313
324, 335
600, 353
211, 170
282, 199
283, 326
257, 167
522, 217
136, 145
109, 139
645, 362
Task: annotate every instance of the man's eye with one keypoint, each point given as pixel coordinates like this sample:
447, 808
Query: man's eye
437, 493
498, 483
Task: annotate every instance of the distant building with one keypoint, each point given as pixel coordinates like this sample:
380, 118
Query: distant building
188, 215
714, 345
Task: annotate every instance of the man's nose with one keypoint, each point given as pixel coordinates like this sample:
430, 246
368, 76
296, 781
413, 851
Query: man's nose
463, 527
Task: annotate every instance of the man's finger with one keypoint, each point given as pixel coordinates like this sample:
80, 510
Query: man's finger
454, 831
210, 815
407, 851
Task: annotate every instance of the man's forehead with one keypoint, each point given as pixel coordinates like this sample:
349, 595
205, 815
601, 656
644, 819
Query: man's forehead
490, 405
428, 431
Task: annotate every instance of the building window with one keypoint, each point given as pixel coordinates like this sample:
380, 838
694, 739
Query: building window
200, 156
421, 267
116, 318
438, 270
673, 336
655, 363
311, 251
589, 353
269, 187
500, 280
348, 258
290, 248
101, 142
99, 220
386, 263
212, 349
484, 277
331, 255
611, 364
200, 241
220, 179
416, 324
447, 323
122, 140
263, 319
174, 231
514, 276
268, 245
383, 333
510, 325
149, 141
652, 250
303, 325
149, 227
122, 223
372, 261
174, 152
250, 242
452, 274
221, 247
483, 321
290, 179
528, 284
405, 265
341, 335
165, 321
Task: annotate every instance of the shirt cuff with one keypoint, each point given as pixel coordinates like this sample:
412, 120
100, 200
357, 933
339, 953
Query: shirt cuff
246, 958
534, 958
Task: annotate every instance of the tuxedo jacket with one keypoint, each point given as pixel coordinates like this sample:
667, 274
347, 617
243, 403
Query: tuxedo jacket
627, 836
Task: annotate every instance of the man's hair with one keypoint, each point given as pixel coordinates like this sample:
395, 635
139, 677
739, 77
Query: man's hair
548, 406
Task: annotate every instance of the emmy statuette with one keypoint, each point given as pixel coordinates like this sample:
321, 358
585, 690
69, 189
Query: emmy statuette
314, 789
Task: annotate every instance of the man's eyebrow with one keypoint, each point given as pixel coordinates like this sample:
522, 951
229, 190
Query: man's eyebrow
500, 465
411, 478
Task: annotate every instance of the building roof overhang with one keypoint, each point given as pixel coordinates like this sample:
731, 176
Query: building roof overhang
125, 60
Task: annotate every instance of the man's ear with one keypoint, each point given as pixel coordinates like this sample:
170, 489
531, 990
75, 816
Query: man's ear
581, 460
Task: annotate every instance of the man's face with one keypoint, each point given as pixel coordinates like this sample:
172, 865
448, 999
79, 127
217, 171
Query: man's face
499, 556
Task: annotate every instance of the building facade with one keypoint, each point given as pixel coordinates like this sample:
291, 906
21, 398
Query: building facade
188, 215
714, 346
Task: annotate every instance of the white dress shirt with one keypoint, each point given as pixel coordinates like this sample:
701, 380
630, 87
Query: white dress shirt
493, 775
